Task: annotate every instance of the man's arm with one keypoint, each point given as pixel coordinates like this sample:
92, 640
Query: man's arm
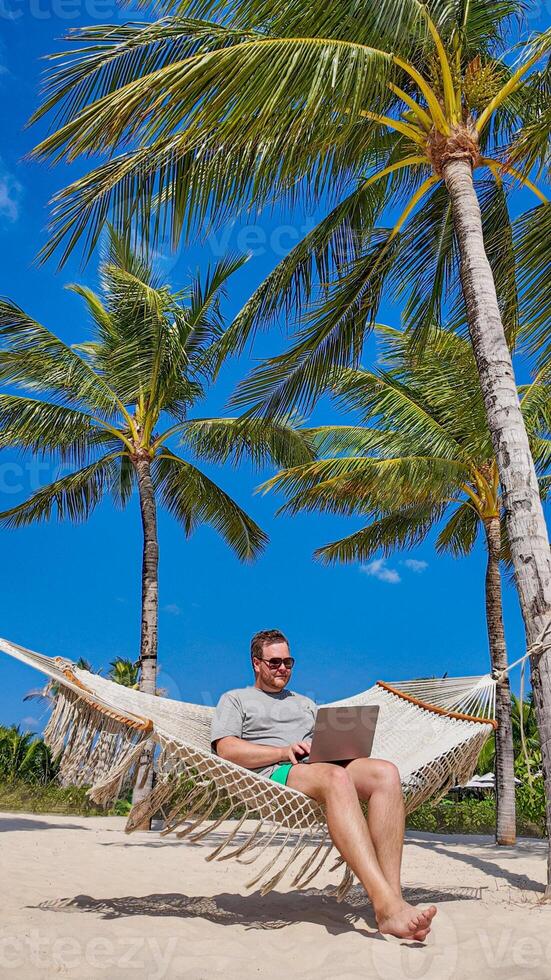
253, 756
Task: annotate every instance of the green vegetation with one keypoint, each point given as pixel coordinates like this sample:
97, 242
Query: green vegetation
124, 671
18, 795
478, 816
28, 779
473, 816
24, 757
532, 747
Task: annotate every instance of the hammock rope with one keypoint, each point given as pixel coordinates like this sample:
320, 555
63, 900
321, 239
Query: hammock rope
541, 644
433, 730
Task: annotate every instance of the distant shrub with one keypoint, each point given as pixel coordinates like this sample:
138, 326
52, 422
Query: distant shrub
471, 816
24, 756
19, 795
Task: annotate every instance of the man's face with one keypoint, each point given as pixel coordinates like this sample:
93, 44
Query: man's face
268, 678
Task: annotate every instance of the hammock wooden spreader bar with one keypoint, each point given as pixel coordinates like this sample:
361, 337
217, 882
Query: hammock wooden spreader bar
435, 708
433, 730
138, 724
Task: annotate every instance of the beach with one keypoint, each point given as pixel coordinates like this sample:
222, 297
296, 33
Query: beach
79, 898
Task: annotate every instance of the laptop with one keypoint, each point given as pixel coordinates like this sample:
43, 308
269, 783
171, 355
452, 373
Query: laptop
344, 732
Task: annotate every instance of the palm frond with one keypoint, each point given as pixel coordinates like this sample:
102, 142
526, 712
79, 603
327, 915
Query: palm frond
334, 339
32, 356
532, 232
72, 497
443, 381
99, 315
360, 439
403, 528
460, 532
112, 56
258, 441
193, 499
332, 246
426, 264
401, 406
124, 483
206, 345
357, 484
544, 484
401, 23
159, 191
535, 400
266, 85
43, 427
541, 453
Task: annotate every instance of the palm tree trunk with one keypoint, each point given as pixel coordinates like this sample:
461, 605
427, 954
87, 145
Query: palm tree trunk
505, 756
150, 615
525, 522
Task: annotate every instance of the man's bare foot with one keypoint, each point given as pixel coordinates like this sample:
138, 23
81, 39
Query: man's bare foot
407, 922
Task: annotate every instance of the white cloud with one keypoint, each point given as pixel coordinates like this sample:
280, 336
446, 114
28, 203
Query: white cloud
378, 569
30, 722
172, 608
415, 565
10, 195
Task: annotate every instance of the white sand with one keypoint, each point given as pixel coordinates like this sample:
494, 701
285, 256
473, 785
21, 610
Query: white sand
80, 899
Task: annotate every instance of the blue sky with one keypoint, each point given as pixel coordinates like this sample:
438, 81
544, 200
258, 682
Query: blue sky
74, 590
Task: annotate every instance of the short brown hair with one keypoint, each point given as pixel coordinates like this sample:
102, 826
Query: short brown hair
264, 638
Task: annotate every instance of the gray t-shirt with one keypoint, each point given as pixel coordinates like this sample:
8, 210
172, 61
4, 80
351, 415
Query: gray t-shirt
267, 719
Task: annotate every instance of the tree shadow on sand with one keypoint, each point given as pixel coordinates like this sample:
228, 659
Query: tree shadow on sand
8, 824
273, 911
490, 868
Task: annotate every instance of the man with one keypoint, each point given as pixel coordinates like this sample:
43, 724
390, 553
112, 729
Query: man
269, 728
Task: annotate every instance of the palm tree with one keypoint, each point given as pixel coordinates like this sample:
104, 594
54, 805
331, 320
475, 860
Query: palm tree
426, 459
112, 406
22, 756
124, 671
383, 105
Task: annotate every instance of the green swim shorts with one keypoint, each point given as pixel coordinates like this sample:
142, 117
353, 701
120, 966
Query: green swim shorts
281, 773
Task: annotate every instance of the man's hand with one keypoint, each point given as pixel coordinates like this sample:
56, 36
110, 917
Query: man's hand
296, 752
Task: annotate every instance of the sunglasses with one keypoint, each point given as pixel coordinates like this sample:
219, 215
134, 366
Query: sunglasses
276, 662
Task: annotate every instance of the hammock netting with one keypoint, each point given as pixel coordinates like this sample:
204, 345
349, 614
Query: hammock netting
433, 730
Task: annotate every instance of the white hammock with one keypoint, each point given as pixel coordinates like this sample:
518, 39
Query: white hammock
432, 730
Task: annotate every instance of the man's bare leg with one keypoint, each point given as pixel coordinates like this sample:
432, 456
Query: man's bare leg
333, 786
378, 782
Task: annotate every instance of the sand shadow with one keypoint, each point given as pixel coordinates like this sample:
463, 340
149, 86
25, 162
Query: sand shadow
273, 911
490, 868
8, 824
